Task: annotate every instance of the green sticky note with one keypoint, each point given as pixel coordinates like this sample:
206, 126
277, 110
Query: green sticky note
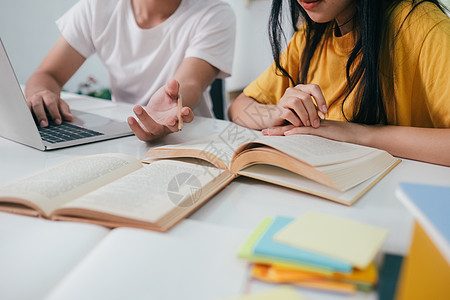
246, 250
283, 292
341, 238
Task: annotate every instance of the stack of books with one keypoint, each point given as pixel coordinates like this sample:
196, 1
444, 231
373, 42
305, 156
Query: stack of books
316, 251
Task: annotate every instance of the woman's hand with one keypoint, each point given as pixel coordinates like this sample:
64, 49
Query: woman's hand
334, 130
160, 117
301, 106
423, 144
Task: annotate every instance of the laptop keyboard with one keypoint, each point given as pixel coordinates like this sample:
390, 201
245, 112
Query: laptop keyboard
65, 132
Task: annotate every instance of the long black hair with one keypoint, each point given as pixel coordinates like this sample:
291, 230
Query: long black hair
369, 20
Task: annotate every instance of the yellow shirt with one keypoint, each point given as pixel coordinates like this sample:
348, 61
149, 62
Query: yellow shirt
419, 93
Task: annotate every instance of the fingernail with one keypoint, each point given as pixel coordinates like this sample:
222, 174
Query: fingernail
58, 121
264, 131
324, 109
321, 115
308, 123
316, 123
43, 123
138, 110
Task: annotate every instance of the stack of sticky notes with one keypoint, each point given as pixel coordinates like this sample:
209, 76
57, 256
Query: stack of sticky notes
315, 250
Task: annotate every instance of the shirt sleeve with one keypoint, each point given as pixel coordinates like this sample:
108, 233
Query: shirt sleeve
433, 68
75, 26
270, 86
214, 40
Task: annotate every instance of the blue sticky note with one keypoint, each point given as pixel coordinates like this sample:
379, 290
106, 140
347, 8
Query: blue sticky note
266, 246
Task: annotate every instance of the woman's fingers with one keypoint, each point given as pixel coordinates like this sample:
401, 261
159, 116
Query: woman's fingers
315, 91
279, 130
306, 102
305, 109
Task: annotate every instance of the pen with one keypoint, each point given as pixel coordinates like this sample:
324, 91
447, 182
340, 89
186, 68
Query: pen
180, 119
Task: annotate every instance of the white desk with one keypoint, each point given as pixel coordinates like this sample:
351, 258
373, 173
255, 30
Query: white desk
34, 267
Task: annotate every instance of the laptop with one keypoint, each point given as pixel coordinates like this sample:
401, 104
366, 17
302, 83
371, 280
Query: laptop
17, 122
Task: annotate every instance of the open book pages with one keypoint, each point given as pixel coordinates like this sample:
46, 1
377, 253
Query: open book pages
43, 192
291, 180
115, 190
218, 149
157, 195
338, 165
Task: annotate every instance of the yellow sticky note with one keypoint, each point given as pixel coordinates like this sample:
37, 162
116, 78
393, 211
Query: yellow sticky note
348, 240
283, 292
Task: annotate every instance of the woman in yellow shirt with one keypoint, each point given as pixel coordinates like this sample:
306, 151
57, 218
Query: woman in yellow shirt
378, 71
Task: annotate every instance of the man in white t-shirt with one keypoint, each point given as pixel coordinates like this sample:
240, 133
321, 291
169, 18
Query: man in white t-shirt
154, 51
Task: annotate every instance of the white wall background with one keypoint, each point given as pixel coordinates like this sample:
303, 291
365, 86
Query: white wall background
253, 53
28, 31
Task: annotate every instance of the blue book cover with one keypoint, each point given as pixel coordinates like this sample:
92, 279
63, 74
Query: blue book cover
430, 205
266, 246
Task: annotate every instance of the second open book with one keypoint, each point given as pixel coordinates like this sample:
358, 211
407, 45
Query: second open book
337, 171
118, 190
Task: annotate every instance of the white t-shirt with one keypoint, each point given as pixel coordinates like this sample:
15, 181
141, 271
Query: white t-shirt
140, 61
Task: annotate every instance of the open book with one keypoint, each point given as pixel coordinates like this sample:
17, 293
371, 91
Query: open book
114, 190
337, 171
